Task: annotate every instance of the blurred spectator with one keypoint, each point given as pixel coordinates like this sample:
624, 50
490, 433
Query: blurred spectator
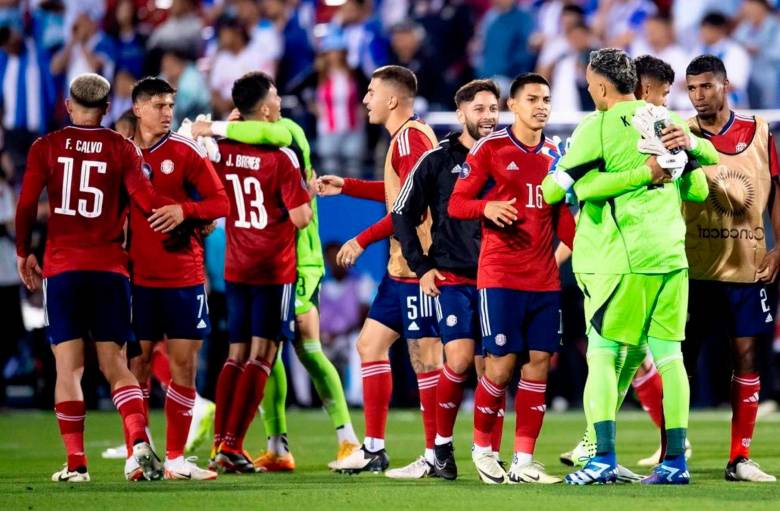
715, 40
569, 90
130, 44
556, 44
49, 25
89, 50
74, 9
121, 96
658, 40
367, 47
340, 127
406, 41
28, 95
10, 285
296, 55
192, 91
503, 51
233, 59
392, 12
687, 16
265, 43
617, 22
181, 31
759, 33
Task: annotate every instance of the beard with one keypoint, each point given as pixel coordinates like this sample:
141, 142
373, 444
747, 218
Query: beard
473, 130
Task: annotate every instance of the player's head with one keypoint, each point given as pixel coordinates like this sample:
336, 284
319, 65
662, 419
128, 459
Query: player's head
655, 79
611, 73
87, 101
256, 97
125, 125
477, 107
713, 28
708, 85
153, 105
392, 89
529, 100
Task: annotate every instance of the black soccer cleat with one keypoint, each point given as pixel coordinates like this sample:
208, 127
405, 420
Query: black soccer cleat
444, 462
361, 460
234, 463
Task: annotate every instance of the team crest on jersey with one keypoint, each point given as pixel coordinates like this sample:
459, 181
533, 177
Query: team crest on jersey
500, 339
147, 170
166, 167
741, 147
452, 320
465, 170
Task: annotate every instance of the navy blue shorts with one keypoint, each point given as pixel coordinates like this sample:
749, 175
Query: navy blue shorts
260, 311
519, 321
87, 305
743, 310
405, 309
172, 312
457, 311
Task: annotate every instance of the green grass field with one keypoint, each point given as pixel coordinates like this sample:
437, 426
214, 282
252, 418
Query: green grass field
30, 450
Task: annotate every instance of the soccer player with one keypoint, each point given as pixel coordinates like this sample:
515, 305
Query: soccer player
88, 172
730, 265
400, 307
310, 270
518, 280
448, 271
269, 200
630, 264
169, 297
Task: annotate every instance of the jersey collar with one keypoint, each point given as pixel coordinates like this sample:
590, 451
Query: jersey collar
723, 130
521, 145
414, 117
159, 142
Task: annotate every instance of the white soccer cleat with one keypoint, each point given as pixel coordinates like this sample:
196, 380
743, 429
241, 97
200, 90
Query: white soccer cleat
532, 472
625, 476
361, 460
185, 468
346, 449
418, 469
115, 453
580, 455
202, 422
133, 471
148, 461
70, 476
655, 458
488, 468
745, 469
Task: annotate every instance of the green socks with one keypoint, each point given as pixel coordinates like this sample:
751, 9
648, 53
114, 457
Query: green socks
601, 394
275, 399
677, 392
326, 380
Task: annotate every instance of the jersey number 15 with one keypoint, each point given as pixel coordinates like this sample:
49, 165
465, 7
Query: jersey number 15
84, 187
250, 187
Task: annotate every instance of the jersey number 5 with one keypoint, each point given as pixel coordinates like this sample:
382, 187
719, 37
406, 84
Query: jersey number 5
84, 187
258, 217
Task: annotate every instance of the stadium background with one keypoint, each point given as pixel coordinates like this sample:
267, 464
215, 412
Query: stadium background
321, 54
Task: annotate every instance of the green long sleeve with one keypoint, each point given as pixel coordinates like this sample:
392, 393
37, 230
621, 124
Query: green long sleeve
693, 186
597, 185
260, 132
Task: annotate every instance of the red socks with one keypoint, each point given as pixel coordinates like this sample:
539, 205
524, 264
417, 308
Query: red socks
744, 406
488, 402
248, 395
529, 414
70, 417
377, 392
426, 384
649, 390
449, 394
498, 431
160, 365
226, 385
129, 402
179, 401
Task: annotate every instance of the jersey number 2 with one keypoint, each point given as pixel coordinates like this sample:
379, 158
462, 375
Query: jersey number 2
258, 217
84, 187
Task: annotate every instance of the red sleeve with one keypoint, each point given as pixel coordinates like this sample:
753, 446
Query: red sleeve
564, 225
409, 147
376, 232
774, 166
214, 201
464, 204
138, 186
364, 189
292, 185
35, 178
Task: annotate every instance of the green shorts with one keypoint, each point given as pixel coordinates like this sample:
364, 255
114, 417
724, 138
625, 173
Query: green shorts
307, 289
628, 308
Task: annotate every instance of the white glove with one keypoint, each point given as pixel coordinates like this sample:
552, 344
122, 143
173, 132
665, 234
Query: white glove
645, 118
673, 164
207, 143
651, 146
186, 128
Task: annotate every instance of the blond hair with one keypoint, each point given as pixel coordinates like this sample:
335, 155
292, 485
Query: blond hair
90, 90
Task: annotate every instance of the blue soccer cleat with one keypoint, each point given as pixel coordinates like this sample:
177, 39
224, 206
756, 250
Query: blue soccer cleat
669, 472
599, 470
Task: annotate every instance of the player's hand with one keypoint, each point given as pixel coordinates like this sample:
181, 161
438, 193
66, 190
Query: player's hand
29, 271
657, 173
428, 282
767, 270
675, 137
501, 212
164, 219
329, 185
201, 128
235, 115
349, 253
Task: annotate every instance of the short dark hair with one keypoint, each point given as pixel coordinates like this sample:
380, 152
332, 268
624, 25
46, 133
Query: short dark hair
706, 64
648, 66
468, 92
715, 19
150, 86
399, 76
616, 66
524, 79
573, 9
250, 89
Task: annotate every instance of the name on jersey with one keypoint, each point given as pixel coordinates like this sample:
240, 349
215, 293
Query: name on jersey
85, 146
243, 161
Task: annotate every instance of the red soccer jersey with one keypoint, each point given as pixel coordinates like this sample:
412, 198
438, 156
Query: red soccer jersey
88, 173
500, 167
737, 134
263, 184
177, 167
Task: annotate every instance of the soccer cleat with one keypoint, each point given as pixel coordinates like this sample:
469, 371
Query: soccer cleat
532, 472
70, 476
580, 455
202, 422
345, 450
625, 476
655, 458
418, 469
488, 468
599, 470
234, 462
444, 462
363, 461
744, 469
133, 471
270, 462
185, 468
669, 472
115, 453
148, 460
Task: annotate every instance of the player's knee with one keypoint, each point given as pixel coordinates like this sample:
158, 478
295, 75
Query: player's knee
370, 352
460, 363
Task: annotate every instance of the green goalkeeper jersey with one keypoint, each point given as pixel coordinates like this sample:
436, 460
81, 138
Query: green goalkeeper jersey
285, 132
626, 224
